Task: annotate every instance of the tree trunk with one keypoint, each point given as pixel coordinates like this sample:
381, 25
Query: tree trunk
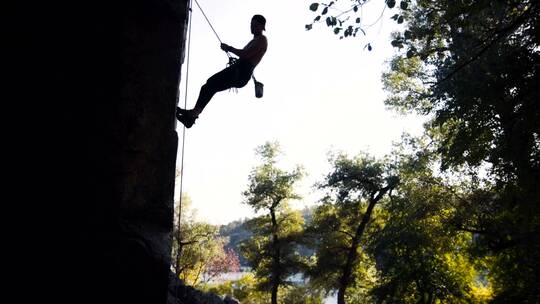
276, 270
274, 293
352, 255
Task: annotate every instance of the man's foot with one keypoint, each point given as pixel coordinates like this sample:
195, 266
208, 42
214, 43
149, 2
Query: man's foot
180, 111
186, 117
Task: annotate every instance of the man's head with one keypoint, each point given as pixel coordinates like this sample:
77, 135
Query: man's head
258, 24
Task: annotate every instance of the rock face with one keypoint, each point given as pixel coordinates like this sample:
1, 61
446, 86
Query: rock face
97, 83
132, 148
105, 76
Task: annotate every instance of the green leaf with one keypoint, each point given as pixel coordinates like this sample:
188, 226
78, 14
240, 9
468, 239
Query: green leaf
325, 10
391, 3
404, 5
369, 47
357, 20
336, 30
408, 34
317, 18
314, 6
400, 20
355, 8
348, 32
328, 21
309, 27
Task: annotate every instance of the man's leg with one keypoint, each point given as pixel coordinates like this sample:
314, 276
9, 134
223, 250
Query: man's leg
217, 83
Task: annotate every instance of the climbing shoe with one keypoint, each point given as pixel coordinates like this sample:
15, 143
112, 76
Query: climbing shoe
185, 117
180, 111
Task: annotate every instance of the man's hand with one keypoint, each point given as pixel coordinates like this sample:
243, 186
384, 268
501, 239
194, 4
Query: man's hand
226, 47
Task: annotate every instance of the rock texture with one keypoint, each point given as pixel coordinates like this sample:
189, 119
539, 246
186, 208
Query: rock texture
98, 89
96, 83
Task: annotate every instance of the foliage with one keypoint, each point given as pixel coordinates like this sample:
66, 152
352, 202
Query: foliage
340, 19
236, 233
270, 186
421, 256
473, 66
272, 251
462, 224
340, 224
246, 291
260, 250
223, 263
330, 234
197, 250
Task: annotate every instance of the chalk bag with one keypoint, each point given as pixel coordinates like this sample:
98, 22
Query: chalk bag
259, 89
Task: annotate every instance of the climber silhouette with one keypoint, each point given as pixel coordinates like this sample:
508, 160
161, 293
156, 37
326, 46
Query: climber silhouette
236, 75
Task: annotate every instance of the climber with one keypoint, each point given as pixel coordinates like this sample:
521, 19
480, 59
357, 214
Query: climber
236, 75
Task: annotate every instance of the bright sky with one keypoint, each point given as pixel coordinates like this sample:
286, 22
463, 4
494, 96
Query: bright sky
321, 94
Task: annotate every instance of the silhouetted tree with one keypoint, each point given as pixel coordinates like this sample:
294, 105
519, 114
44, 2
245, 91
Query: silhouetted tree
355, 187
196, 247
271, 250
473, 66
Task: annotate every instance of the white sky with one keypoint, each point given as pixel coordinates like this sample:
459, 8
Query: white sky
321, 94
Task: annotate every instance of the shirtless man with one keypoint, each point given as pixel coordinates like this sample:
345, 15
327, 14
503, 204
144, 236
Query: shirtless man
235, 76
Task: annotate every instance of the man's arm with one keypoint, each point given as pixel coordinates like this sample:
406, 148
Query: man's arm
255, 47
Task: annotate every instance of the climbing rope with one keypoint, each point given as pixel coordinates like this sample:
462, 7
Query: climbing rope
231, 59
184, 129
207, 20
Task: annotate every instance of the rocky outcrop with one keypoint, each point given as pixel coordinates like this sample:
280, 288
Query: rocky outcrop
97, 142
104, 76
182, 294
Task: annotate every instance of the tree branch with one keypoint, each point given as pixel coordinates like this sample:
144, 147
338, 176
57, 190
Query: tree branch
347, 233
499, 34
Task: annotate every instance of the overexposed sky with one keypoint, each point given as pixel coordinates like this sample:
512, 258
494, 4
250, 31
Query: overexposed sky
321, 94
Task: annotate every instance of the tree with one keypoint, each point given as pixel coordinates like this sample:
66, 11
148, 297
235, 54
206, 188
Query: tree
422, 257
473, 66
341, 20
226, 262
271, 250
196, 247
246, 291
355, 187
236, 233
